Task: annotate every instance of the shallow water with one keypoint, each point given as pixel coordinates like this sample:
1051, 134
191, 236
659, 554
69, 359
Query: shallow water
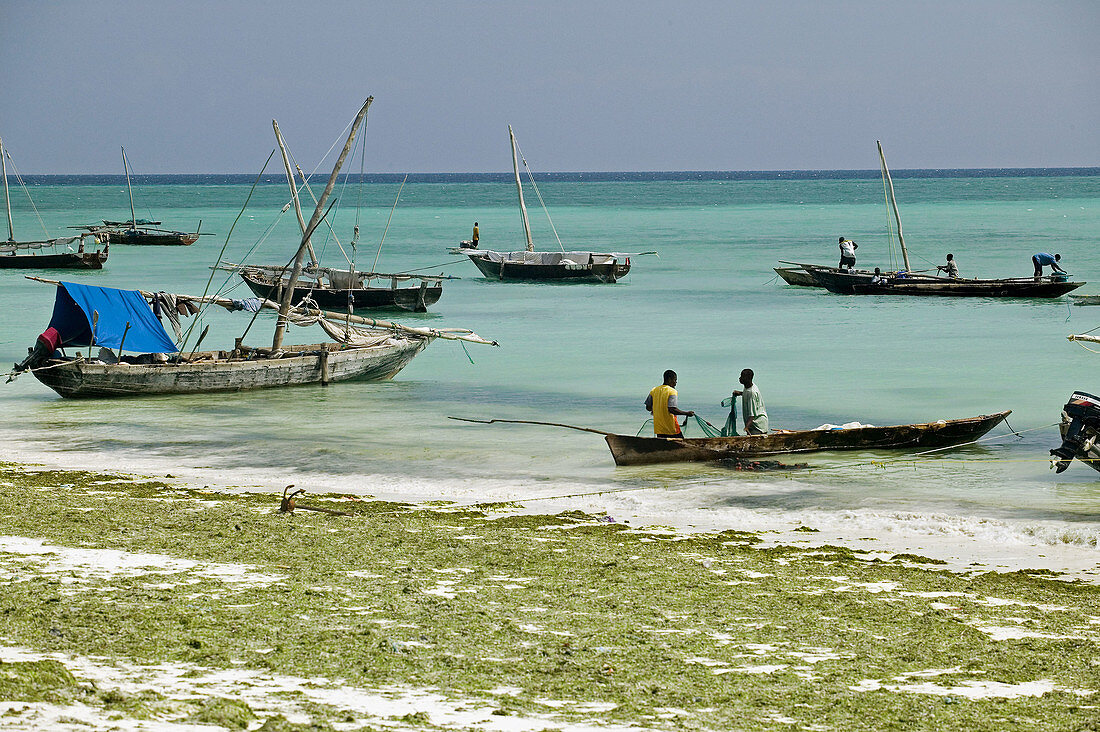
708, 306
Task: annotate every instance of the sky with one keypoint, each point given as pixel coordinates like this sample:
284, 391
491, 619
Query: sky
596, 85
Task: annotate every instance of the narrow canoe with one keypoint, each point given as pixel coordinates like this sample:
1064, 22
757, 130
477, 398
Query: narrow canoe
860, 284
628, 450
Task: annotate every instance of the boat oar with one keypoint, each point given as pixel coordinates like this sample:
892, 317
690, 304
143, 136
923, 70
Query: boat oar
530, 421
199, 342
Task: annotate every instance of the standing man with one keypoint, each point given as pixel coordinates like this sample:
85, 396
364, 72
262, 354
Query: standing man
752, 406
847, 253
1042, 259
475, 237
661, 402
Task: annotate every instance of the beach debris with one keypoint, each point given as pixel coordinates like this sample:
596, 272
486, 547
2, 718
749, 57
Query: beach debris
290, 502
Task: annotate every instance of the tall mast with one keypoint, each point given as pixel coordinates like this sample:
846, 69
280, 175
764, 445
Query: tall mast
126, 169
288, 296
519, 190
7, 198
894, 203
294, 191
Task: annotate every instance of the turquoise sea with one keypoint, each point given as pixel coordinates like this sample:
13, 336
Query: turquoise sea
707, 306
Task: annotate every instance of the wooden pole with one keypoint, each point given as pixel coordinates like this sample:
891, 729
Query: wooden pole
294, 192
126, 169
284, 306
7, 197
519, 190
894, 202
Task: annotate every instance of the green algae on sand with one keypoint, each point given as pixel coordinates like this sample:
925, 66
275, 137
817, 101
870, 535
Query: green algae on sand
547, 617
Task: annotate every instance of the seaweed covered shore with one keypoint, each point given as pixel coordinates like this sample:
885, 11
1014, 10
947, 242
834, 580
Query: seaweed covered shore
131, 603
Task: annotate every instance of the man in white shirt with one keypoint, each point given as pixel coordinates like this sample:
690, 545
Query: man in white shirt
847, 253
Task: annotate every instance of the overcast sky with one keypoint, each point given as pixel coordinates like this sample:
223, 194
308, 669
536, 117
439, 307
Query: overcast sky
192, 86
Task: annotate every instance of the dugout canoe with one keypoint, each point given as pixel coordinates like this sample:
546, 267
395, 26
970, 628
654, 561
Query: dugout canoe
629, 450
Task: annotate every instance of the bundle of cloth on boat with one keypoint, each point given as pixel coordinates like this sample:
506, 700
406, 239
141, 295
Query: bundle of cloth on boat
86, 315
342, 332
582, 258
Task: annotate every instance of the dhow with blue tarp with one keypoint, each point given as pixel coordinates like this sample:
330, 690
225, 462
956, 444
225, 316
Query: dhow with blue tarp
120, 321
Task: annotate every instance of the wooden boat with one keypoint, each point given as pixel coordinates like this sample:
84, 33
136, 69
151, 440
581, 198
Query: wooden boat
843, 283
796, 276
337, 289
529, 265
629, 450
26, 254
139, 232
1085, 299
113, 319
908, 282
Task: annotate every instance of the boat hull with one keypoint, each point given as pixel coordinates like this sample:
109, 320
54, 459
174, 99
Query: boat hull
628, 450
216, 373
528, 272
1023, 287
415, 299
796, 276
64, 260
137, 237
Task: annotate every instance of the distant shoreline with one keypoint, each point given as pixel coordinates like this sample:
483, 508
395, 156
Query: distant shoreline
568, 177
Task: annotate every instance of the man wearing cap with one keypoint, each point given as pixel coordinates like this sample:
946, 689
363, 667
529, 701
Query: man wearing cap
847, 253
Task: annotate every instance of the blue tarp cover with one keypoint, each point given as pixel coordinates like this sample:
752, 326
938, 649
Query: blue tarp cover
72, 316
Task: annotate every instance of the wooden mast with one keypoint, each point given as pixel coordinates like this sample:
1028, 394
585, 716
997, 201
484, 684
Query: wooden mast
126, 169
894, 203
294, 191
288, 296
519, 190
7, 198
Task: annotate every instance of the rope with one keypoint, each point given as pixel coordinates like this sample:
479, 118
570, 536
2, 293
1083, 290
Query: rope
531, 177
23, 185
374, 267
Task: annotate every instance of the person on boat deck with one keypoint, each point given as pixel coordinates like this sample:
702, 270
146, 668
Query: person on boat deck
847, 253
661, 402
474, 238
752, 405
1042, 259
878, 279
950, 269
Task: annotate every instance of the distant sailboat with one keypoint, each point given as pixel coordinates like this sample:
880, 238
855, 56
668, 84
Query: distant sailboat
578, 266
26, 255
139, 231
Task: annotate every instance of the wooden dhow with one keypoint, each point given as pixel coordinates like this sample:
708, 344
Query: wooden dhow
529, 265
60, 253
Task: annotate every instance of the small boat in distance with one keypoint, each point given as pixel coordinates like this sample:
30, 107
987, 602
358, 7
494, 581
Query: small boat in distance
25, 254
138, 231
529, 265
340, 289
906, 282
631, 450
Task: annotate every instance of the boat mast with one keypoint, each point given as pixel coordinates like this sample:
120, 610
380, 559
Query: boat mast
519, 190
126, 169
288, 296
7, 198
894, 203
294, 191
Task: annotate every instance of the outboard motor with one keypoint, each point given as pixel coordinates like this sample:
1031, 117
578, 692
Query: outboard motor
44, 347
1080, 429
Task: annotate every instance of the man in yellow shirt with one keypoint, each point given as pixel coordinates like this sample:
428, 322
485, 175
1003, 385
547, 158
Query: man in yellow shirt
662, 403
475, 237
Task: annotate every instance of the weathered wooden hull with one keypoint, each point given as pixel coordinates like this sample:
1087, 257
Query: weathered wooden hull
796, 276
146, 238
518, 271
628, 450
63, 260
416, 298
300, 365
860, 284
